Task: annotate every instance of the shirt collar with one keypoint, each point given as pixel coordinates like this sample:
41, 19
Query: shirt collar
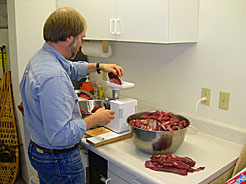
63, 61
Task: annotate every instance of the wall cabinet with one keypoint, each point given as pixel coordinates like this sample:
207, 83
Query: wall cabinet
159, 21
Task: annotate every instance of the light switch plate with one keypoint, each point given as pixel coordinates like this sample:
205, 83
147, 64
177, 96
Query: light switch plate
224, 100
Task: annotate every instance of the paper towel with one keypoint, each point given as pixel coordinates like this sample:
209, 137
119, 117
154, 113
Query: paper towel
95, 49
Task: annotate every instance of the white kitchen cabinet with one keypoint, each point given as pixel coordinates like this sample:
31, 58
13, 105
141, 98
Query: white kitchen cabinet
98, 14
114, 179
117, 175
159, 21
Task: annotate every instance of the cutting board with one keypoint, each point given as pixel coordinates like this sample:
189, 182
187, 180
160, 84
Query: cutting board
101, 136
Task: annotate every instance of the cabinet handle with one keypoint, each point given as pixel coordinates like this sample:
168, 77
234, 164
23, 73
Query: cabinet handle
107, 181
117, 25
136, 181
111, 26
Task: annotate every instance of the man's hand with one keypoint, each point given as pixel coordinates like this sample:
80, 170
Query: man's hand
115, 69
101, 117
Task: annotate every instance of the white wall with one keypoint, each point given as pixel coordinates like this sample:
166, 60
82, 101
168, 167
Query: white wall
171, 76
25, 37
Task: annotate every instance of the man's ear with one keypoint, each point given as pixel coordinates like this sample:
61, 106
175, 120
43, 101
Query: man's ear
69, 40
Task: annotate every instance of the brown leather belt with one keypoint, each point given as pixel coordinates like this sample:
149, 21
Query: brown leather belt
57, 150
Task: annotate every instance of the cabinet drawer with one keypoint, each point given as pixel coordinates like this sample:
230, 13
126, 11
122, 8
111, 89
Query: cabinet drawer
114, 179
123, 175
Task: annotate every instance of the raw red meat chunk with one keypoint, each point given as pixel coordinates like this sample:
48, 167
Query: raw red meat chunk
171, 163
92, 111
114, 78
159, 121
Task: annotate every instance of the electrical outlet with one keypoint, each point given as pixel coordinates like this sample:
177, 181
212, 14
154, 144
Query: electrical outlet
224, 100
206, 92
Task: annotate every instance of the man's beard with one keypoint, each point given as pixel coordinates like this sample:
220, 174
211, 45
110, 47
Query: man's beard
74, 48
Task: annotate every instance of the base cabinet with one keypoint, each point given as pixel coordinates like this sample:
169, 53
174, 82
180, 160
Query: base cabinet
114, 179
102, 171
97, 169
117, 175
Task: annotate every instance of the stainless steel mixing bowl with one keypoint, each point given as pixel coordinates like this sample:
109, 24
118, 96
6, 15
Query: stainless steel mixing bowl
157, 142
88, 106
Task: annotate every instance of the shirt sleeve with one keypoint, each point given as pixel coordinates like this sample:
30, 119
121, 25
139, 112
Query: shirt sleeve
62, 120
78, 70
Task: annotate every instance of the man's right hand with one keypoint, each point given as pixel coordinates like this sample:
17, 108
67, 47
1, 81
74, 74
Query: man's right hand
101, 117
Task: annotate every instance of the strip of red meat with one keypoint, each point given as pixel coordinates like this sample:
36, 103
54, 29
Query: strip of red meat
152, 166
92, 111
95, 109
114, 78
186, 160
171, 163
82, 111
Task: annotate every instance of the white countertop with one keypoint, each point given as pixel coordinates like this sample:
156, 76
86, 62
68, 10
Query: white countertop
216, 154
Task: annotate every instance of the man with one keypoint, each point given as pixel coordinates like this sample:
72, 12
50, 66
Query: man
51, 110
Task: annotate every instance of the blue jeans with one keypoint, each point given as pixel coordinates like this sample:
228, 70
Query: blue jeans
54, 168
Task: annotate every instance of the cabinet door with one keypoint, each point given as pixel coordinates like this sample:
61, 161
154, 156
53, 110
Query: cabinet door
143, 21
183, 21
113, 179
99, 14
118, 175
160, 21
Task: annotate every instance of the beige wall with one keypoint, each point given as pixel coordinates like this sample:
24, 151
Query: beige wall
168, 76
25, 37
171, 76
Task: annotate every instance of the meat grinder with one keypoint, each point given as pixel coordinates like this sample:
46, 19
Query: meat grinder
123, 107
